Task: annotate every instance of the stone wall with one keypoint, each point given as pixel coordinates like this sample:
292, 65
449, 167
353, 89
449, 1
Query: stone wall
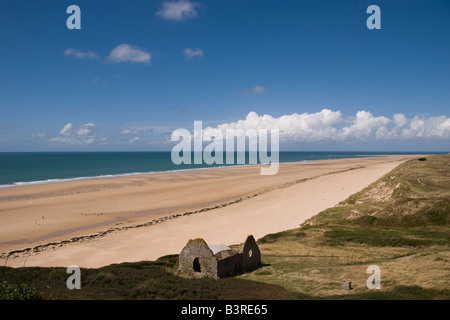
251, 255
198, 260
230, 266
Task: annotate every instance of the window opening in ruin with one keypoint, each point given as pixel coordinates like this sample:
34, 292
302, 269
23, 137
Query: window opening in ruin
196, 265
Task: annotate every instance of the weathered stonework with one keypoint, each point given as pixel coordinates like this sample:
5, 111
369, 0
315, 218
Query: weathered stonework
197, 260
197, 251
251, 256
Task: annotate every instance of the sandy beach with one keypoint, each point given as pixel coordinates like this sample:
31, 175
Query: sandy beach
94, 223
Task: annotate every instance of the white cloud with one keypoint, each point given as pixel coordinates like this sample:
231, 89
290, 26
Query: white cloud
125, 132
128, 53
434, 127
255, 90
365, 125
39, 135
329, 126
85, 129
136, 135
400, 120
80, 54
81, 135
189, 53
178, 10
139, 131
296, 127
134, 139
66, 130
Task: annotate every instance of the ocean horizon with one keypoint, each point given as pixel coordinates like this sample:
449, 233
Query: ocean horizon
28, 168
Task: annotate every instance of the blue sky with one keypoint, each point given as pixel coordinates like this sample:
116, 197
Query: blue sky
137, 70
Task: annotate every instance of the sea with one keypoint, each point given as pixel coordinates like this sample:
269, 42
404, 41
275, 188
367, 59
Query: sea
28, 168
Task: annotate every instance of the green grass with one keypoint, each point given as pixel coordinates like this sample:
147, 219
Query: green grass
384, 237
18, 291
272, 237
141, 280
398, 293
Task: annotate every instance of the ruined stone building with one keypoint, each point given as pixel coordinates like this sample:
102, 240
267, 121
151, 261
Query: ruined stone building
197, 259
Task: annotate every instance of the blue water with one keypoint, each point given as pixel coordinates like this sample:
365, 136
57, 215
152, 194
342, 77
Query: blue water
22, 168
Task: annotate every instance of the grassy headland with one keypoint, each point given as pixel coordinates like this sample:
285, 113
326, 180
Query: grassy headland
399, 223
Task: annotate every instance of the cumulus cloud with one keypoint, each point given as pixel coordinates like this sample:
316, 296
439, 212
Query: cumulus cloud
189, 53
364, 125
178, 10
434, 127
255, 90
80, 54
399, 120
128, 53
296, 127
77, 135
328, 126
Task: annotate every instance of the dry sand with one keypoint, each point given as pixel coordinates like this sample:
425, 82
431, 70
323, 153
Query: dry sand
94, 223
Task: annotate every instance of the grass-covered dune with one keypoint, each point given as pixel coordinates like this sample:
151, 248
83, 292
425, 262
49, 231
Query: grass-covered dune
400, 223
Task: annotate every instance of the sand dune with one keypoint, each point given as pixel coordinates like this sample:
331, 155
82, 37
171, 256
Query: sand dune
93, 223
